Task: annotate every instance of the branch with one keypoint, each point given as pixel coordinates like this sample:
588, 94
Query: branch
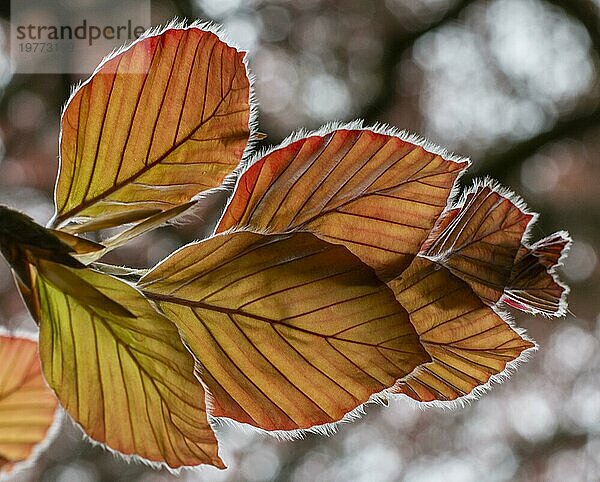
394, 49
499, 165
586, 13
184, 9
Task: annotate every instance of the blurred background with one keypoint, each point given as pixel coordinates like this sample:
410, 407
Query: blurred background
512, 84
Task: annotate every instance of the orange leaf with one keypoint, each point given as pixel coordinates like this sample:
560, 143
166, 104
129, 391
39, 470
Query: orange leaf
533, 285
27, 405
291, 331
377, 194
337, 187
468, 341
481, 240
473, 258
155, 125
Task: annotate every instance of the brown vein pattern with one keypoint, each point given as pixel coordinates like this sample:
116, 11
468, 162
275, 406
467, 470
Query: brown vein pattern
467, 340
27, 405
479, 241
533, 285
376, 194
291, 331
157, 124
128, 381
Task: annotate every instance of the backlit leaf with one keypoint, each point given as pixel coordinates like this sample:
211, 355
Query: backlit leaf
110, 220
472, 249
80, 246
148, 224
377, 194
291, 331
151, 222
533, 285
126, 378
27, 405
476, 257
339, 272
481, 241
154, 125
467, 340
23, 242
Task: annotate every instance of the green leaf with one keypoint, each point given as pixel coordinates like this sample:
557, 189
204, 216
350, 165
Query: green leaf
127, 380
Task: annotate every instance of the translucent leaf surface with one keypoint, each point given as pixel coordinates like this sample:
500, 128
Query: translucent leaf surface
533, 285
153, 126
127, 380
479, 240
376, 194
467, 340
385, 200
482, 241
291, 331
27, 405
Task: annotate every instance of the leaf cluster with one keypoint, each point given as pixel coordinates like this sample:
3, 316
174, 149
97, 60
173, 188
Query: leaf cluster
343, 269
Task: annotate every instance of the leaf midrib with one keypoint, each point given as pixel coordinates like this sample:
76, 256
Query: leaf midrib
234, 311
118, 185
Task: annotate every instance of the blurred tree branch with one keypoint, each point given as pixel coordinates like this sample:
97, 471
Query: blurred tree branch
184, 9
501, 164
536, 454
395, 48
585, 12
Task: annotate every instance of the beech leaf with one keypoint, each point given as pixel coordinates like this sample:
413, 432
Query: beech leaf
468, 341
534, 286
27, 405
156, 124
291, 331
482, 240
377, 194
456, 262
125, 377
341, 271
475, 257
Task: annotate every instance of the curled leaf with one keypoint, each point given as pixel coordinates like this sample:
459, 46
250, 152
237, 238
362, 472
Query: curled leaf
23, 242
475, 257
479, 241
482, 241
534, 285
109, 220
291, 331
151, 222
79, 246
